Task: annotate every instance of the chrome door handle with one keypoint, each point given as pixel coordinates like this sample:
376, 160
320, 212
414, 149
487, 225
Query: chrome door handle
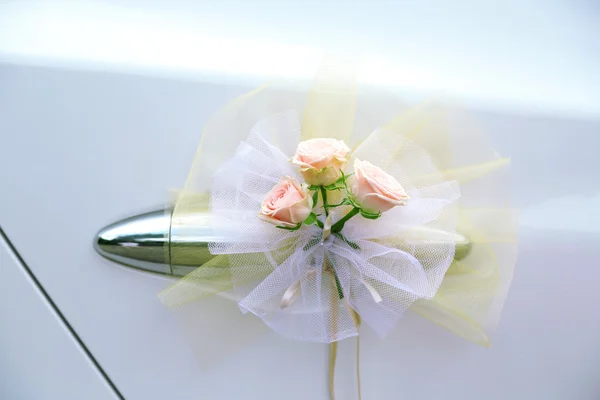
146, 242
152, 242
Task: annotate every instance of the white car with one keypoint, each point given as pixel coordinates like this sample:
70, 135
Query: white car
102, 105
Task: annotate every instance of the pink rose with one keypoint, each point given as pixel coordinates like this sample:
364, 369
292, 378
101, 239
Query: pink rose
287, 204
320, 160
374, 189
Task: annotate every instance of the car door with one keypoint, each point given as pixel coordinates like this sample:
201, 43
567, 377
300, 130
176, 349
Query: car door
86, 143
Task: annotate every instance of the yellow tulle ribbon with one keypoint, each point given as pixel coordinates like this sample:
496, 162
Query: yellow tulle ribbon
473, 291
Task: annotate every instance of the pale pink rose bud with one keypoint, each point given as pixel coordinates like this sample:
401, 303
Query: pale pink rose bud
287, 204
374, 189
320, 160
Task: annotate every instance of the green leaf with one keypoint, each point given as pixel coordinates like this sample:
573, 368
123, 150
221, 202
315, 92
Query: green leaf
319, 224
312, 219
314, 187
315, 198
295, 228
369, 215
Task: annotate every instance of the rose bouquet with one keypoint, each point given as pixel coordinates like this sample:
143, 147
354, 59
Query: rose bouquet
350, 234
290, 204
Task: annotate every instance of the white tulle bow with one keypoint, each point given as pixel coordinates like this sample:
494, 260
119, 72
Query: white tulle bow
381, 266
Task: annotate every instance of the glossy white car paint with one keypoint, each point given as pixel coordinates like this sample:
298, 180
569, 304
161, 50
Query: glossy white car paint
101, 109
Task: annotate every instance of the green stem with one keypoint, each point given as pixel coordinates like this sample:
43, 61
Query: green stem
329, 267
324, 195
337, 227
337, 284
